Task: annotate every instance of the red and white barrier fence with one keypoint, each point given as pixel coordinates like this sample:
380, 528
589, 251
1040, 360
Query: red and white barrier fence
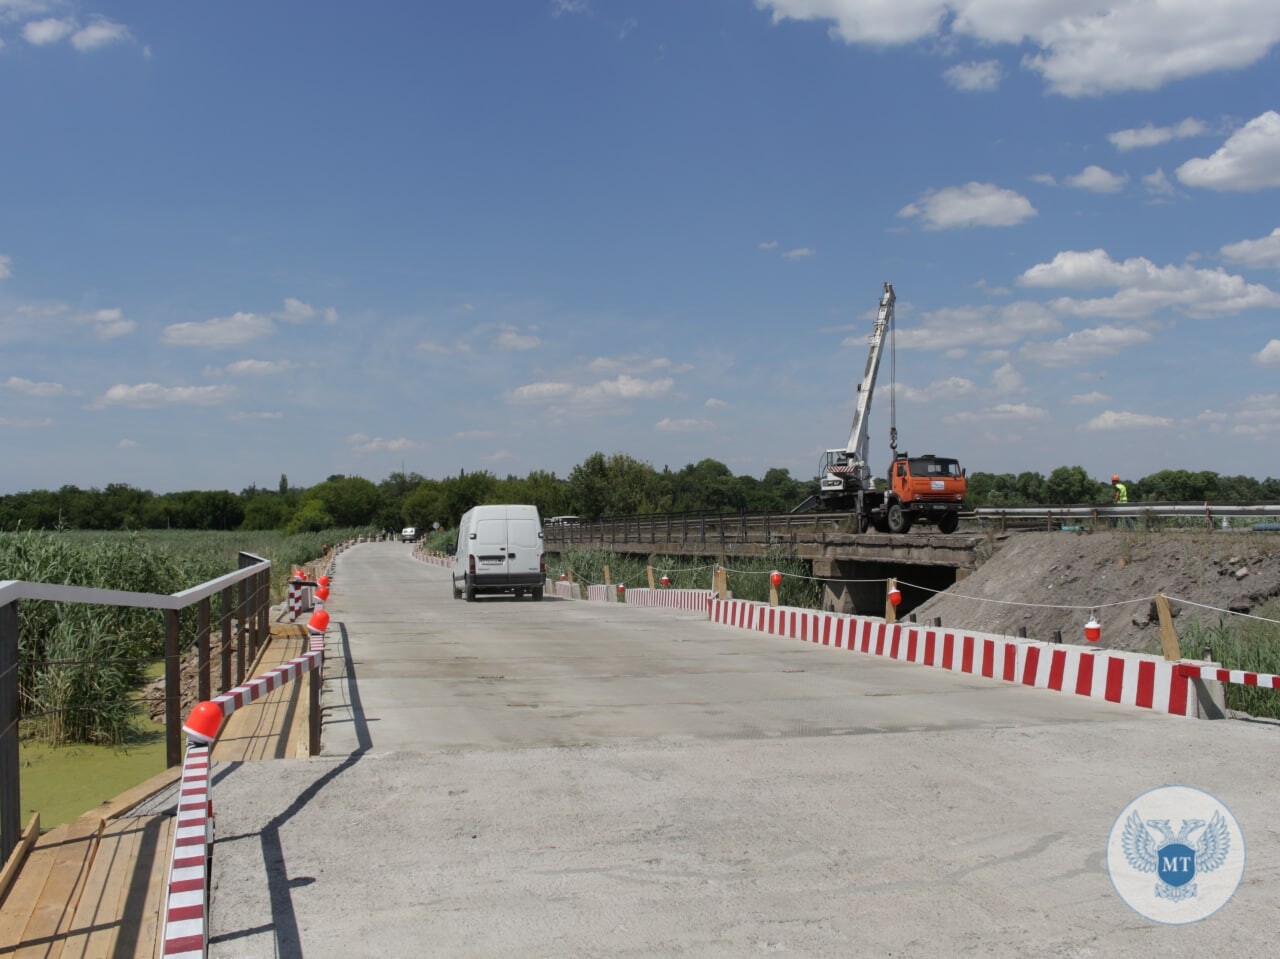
1127, 678
186, 928
691, 599
1242, 677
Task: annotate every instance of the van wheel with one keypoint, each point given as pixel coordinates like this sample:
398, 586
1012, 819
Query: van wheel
471, 592
457, 593
899, 521
537, 594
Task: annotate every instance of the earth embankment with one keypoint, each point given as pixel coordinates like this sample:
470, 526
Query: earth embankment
1054, 581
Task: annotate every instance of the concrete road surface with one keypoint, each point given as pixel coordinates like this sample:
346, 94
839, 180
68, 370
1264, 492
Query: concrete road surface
565, 779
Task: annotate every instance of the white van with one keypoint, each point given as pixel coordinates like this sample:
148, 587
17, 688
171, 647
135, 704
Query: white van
500, 550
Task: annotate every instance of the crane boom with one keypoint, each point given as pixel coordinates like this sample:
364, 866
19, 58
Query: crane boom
859, 435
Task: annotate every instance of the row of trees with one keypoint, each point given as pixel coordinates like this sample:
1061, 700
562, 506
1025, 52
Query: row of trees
599, 486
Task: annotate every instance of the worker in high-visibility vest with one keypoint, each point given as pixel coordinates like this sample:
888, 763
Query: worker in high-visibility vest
1121, 498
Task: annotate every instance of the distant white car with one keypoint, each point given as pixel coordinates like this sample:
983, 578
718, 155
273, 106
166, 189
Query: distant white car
409, 534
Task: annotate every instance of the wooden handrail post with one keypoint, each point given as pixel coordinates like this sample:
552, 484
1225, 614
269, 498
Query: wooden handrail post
172, 690
10, 774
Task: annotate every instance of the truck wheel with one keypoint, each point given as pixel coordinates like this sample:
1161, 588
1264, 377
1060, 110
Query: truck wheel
948, 522
859, 522
899, 521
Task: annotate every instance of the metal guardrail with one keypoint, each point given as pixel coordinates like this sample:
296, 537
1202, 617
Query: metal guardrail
251, 628
712, 529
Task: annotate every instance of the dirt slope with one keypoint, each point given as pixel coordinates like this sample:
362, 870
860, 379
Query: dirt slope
1118, 573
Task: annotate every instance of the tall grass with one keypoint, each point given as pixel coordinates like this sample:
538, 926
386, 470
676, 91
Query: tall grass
1247, 644
79, 665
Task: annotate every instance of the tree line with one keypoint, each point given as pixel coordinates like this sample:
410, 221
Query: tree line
601, 485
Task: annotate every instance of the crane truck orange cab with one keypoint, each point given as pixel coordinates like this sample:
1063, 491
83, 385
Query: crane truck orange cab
924, 489
500, 550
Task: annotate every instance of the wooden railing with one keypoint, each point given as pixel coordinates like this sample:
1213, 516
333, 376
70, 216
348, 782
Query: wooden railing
245, 602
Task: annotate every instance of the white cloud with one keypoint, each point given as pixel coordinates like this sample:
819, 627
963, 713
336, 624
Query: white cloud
153, 395
22, 424
40, 33
1079, 51
981, 77
938, 392
1150, 136
295, 311
683, 426
1145, 288
231, 330
20, 385
100, 33
260, 367
360, 443
5, 267
127, 444
974, 204
622, 387
1003, 413
1088, 399
1006, 379
1112, 421
512, 339
1084, 346
1158, 184
1256, 253
768, 245
629, 387
1269, 355
541, 392
1249, 160
714, 404
245, 416
632, 363
560, 8
107, 324
974, 327
799, 253
1097, 180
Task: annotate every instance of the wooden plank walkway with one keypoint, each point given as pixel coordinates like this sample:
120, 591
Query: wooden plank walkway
92, 889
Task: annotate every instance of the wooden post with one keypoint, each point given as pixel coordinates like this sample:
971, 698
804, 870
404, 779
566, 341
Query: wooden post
649, 569
10, 774
890, 611
608, 584
172, 690
1168, 635
773, 592
203, 682
225, 679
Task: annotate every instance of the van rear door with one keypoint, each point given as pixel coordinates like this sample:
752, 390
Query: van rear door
490, 548
524, 544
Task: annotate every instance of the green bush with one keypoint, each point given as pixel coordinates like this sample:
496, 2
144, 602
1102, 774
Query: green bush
1251, 645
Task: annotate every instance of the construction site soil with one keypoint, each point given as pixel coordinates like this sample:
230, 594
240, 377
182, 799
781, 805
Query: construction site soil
1047, 581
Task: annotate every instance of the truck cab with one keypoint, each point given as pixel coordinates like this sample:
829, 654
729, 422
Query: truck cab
925, 489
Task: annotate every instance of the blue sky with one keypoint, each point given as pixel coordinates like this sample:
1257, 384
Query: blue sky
245, 239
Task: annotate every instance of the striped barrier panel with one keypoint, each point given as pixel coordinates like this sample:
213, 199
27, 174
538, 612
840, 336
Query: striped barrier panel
295, 600
1127, 678
690, 599
598, 592
1238, 676
186, 928
186, 932
563, 589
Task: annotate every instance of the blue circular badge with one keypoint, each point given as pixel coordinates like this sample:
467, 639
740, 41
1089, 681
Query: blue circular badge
1176, 854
